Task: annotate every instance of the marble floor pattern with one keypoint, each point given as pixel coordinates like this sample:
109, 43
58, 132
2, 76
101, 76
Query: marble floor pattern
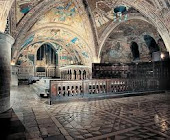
129, 118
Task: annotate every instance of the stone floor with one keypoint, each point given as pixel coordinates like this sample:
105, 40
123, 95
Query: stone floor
130, 118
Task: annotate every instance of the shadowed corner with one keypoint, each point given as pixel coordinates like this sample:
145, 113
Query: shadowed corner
11, 127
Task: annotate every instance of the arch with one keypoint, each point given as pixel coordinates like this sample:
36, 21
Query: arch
161, 45
135, 51
162, 30
110, 28
45, 42
31, 18
88, 49
46, 59
158, 22
151, 43
58, 26
43, 51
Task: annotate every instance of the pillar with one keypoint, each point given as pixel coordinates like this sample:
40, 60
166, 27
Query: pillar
72, 76
14, 77
6, 41
57, 71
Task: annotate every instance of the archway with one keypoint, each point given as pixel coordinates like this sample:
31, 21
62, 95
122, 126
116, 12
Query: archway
46, 61
135, 51
120, 47
151, 43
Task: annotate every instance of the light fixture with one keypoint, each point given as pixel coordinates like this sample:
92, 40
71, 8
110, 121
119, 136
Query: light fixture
162, 55
120, 13
12, 63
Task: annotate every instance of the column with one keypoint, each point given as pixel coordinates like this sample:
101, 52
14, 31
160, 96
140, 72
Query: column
72, 76
6, 41
14, 77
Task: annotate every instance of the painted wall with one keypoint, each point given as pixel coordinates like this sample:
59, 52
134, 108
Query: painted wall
118, 45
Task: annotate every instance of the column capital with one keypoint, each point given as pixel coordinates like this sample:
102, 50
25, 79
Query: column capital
6, 38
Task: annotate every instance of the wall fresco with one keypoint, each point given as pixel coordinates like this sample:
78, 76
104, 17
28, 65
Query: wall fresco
70, 40
24, 6
118, 45
28, 56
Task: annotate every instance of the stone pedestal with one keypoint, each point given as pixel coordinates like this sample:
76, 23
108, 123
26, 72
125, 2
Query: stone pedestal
6, 42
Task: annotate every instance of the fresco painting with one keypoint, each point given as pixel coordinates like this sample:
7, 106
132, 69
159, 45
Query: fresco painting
24, 6
64, 13
65, 37
118, 45
28, 41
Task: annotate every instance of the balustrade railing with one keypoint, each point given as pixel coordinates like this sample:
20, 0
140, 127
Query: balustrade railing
85, 88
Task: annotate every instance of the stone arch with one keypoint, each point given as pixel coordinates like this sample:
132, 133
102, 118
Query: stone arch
31, 18
161, 45
135, 51
43, 42
156, 21
89, 49
58, 26
109, 30
49, 44
151, 43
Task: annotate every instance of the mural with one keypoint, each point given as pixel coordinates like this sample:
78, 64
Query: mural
71, 22
116, 52
66, 58
23, 7
78, 49
64, 13
118, 45
70, 41
28, 41
28, 56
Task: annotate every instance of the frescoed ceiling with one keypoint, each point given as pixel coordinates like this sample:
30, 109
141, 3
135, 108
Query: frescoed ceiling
64, 14
91, 21
66, 23
156, 12
103, 12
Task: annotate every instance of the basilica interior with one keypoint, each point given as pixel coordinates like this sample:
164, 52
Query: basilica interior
85, 69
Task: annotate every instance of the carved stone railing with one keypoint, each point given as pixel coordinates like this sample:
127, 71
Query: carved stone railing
86, 88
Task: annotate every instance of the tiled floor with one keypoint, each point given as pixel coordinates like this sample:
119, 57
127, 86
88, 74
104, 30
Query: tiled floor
129, 118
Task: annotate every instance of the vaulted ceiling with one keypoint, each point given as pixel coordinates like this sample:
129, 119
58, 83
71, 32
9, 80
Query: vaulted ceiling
87, 24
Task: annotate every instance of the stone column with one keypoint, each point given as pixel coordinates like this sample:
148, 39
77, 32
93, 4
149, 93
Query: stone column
14, 77
6, 41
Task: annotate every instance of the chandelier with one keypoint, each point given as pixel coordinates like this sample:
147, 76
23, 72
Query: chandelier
120, 13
